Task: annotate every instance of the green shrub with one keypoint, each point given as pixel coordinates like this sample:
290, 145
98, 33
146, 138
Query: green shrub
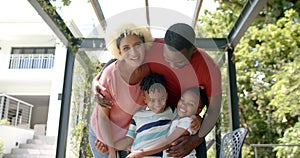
1, 146
4, 122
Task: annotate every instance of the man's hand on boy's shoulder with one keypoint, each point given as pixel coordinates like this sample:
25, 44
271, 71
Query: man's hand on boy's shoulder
184, 145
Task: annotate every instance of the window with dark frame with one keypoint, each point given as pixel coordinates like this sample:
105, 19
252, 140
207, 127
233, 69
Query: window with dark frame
33, 50
32, 58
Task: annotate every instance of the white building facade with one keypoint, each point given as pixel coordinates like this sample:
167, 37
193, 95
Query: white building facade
32, 62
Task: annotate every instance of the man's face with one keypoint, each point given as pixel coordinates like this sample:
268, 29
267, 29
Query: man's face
176, 59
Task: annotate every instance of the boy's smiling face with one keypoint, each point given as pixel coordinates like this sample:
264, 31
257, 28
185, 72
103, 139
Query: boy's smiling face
156, 100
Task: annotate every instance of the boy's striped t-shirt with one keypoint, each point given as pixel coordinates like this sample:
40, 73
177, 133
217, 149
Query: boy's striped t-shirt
147, 127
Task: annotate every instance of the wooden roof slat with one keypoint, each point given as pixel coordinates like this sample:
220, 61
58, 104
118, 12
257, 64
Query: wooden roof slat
99, 13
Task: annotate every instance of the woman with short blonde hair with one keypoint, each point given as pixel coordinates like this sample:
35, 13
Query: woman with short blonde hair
119, 82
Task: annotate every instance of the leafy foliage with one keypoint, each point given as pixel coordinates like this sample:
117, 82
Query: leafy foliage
1, 146
267, 66
291, 136
51, 11
267, 60
65, 2
82, 106
4, 122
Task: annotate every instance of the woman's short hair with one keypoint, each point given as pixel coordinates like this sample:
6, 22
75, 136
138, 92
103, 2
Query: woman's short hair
114, 36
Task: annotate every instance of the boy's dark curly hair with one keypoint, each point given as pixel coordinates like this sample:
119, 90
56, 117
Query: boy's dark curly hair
153, 82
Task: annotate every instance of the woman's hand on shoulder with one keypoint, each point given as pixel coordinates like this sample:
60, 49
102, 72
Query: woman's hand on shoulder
100, 99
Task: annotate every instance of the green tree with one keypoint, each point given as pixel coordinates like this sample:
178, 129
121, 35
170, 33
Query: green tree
82, 105
267, 60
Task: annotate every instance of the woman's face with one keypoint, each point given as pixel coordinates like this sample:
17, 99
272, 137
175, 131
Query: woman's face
132, 50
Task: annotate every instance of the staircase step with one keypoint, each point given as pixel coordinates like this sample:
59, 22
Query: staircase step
43, 137
41, 141
28, 156
50, 139
37, 146
32, 151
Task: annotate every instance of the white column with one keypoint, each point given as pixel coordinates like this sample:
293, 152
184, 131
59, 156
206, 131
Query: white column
4, 58
56, 89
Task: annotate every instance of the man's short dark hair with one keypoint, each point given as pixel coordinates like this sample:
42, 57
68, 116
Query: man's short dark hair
180, 36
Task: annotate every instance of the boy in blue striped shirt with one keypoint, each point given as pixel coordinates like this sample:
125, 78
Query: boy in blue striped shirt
149, 125
191, 103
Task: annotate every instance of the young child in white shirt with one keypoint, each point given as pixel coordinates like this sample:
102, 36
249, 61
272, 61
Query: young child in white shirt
151, 125
191, 103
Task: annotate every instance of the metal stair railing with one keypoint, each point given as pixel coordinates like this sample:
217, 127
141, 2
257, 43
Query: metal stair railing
15, 111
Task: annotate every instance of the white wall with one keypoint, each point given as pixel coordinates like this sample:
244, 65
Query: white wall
56, 88
12, 135
23, 81
39, 115
4, 57
29, 30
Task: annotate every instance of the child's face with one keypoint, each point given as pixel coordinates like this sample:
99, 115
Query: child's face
188, 104
156, 100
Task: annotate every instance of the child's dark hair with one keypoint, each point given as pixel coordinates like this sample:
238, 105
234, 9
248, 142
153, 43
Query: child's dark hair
153, 82
200, 91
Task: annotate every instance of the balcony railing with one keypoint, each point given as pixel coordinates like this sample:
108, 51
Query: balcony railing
31, 61
271, 146
15, 111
